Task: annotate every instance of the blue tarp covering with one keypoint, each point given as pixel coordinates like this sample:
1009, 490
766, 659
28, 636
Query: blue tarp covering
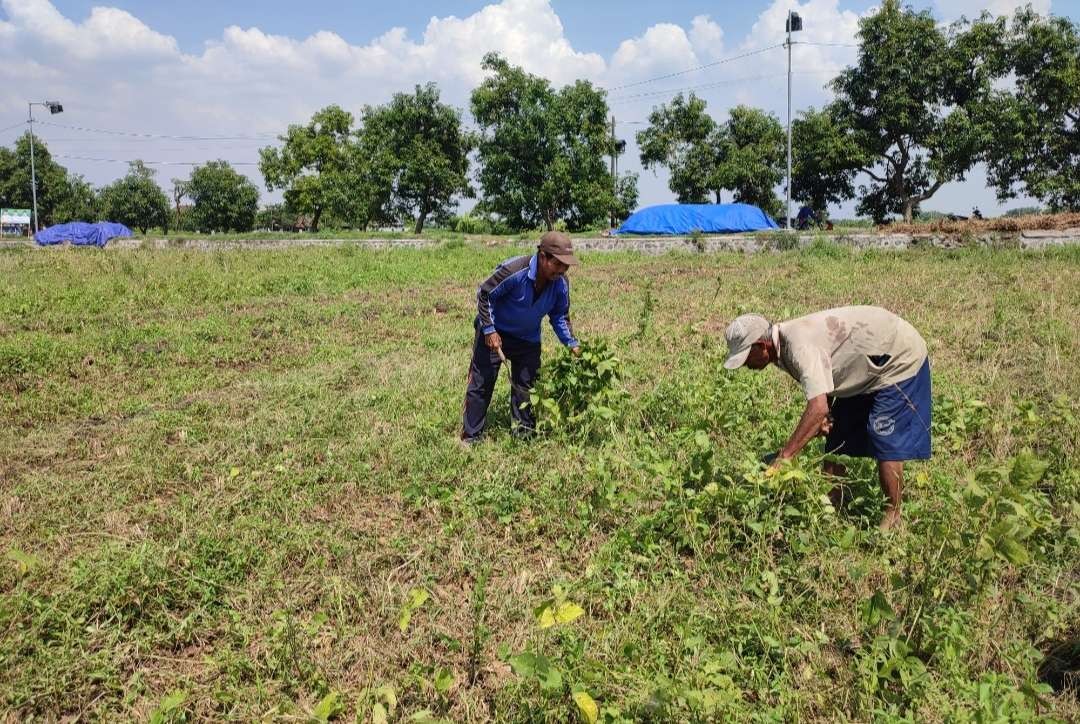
687, 218
81, 233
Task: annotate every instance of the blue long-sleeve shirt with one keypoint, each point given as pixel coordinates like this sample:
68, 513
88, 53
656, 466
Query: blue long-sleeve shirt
506, 304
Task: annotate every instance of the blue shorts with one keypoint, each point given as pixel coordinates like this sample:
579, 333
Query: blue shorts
889, 424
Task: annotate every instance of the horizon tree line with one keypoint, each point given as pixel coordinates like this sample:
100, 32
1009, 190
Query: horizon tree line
921, 105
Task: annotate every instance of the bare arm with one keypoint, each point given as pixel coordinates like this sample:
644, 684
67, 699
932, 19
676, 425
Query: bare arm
815, 413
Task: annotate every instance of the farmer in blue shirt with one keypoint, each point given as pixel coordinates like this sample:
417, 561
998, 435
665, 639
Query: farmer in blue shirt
511, 303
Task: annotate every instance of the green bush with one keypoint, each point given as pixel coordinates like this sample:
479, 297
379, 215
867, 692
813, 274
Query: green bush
578, 395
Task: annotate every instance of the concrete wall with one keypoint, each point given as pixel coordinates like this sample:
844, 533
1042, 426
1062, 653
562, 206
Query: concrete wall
745, 243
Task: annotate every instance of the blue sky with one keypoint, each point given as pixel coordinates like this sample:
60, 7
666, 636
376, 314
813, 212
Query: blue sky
138, 79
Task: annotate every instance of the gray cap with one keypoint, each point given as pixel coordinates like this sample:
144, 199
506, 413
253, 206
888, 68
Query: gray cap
741, 335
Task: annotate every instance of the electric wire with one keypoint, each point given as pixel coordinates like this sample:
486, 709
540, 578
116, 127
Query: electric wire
701, 67
133, 134
151, 163
714, 84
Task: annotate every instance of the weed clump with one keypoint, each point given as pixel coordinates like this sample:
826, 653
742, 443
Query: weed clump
578, 395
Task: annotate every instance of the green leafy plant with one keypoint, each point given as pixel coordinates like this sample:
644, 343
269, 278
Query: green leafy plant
416, 599
578, 394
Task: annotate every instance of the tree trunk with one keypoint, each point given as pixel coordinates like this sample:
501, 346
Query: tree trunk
909, 204
315, 219
420, 222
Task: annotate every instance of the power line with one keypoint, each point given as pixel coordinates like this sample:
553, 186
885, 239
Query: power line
716, 84
16, 125
828, 45
152, 163
132, 134
703, 86
700, 67
98, 141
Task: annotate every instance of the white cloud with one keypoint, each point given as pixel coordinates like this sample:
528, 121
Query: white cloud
664, 47
107, 33
707, 37
527, 32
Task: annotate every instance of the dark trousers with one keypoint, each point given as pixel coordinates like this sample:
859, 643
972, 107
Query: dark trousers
524, 359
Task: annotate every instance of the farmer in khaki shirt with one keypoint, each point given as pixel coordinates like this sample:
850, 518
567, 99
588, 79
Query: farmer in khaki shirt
866, 366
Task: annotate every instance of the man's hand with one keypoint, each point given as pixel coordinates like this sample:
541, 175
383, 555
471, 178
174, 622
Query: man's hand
775, 464
826, 426
493, 341
576, 351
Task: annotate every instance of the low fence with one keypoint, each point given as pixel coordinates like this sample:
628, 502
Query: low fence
744, 243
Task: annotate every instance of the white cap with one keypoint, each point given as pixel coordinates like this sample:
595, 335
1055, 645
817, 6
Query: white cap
741, 335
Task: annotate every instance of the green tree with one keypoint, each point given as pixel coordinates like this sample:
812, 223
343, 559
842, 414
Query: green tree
911, 103
224, 199
626, 196
825, 157
179, 193
751, 152
80, 203
136, 200
744, 155
422, 150
275, 217
680, 137
542, 152
1035, 126
311, 165
54, 185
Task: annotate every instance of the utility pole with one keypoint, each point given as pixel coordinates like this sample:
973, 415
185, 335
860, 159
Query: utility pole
614, 182
33, 173
54, 108
794, 23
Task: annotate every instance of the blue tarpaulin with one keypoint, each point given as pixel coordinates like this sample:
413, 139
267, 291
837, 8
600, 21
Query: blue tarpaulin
687, 218
81, 233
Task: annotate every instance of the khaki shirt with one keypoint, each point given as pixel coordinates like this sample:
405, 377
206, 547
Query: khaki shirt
840, 352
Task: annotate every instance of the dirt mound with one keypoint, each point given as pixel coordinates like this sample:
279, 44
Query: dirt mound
976, 226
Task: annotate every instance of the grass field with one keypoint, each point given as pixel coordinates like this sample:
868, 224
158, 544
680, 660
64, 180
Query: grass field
230, 488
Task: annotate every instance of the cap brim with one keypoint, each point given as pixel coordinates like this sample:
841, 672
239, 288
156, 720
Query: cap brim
568, 259
738, 359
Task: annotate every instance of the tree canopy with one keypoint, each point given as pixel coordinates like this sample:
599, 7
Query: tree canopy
680, 137
224, 199
542, 151
825, 157
744, 155
1033, 128
61, 196
311, 166
419, 148
136, 200
911, 104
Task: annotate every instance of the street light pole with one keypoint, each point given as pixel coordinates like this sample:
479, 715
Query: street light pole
54, 108
33, 172
794, 23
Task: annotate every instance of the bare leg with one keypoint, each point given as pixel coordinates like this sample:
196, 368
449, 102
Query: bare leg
891, 475
838, 495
